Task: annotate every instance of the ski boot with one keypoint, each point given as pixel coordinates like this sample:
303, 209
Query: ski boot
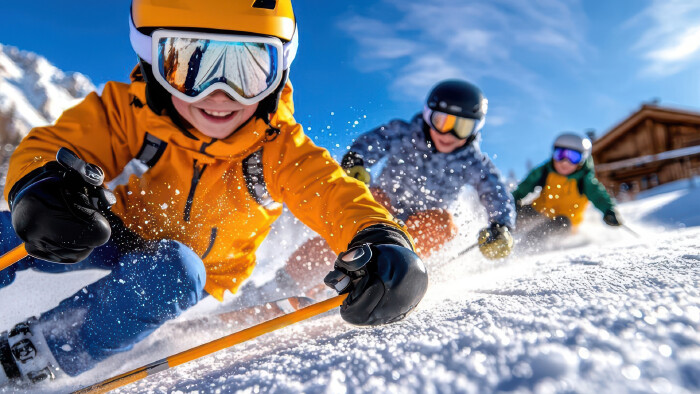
25, 358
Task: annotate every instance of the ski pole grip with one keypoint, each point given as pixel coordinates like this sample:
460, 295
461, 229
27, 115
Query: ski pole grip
89, 173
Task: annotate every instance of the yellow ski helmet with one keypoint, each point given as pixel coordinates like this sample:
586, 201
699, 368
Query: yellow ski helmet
263, 17
273, 19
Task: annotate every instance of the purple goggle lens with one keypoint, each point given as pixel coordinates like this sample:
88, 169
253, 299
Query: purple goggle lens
572, 155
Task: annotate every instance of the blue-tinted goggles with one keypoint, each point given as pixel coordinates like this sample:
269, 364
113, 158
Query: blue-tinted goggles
571, 155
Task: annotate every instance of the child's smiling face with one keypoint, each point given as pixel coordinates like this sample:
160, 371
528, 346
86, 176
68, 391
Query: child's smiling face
217, 115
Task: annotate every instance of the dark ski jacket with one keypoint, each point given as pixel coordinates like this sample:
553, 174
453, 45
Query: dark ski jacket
417, 177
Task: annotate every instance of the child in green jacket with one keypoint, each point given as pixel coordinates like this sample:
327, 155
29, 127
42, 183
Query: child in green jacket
568, 182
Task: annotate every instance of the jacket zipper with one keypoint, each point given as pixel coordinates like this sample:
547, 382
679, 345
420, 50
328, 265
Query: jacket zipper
212, 238
196, 176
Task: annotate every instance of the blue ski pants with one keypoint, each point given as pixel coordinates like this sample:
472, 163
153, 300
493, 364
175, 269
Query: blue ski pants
145, 289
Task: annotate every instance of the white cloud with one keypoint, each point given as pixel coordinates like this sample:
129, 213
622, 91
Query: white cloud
419, 75
424, 41
495, 120
671, 39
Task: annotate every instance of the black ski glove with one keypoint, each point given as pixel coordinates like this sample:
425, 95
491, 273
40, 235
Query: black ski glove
354, 166
55, 209
385, 279
610, 218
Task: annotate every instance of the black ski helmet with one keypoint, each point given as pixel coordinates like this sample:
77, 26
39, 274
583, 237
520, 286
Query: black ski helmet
459, 98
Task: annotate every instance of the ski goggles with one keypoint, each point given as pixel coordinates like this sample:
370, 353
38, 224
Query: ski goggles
192, 65
445, 123
571, 155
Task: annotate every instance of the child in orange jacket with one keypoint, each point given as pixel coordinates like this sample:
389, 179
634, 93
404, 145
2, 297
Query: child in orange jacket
200, 151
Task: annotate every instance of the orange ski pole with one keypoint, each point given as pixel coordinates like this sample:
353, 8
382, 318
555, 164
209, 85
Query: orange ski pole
214, 346
12, 256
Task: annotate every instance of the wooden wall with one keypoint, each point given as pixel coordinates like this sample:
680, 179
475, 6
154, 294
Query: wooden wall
649, 136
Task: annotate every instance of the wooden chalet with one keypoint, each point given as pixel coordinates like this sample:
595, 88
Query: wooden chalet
653, 146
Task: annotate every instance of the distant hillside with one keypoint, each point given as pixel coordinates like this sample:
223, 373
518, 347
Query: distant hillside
33, 93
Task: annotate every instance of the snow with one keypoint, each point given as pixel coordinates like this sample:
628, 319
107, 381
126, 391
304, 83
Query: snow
33, 93
620, 314
48, 89
38, 90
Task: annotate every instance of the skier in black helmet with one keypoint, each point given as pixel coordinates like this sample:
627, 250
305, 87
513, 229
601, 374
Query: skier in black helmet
428, 161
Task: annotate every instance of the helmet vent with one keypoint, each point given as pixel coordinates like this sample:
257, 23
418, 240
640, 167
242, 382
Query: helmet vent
267, 4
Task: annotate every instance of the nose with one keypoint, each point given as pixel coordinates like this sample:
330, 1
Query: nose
218, 97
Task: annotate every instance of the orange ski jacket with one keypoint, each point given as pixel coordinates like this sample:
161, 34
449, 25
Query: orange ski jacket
218, 197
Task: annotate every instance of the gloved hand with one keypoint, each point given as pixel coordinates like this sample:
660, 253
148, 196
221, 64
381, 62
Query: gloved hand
385, 279
495, 242
610, 218
354, 166
55, 209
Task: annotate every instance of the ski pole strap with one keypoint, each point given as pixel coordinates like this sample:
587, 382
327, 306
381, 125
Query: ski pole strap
214, 346
13, 256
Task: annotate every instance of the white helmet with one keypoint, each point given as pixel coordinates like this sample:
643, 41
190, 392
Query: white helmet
575, 142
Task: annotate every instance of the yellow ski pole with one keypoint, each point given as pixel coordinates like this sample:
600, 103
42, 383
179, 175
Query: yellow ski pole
214, 346
12, 256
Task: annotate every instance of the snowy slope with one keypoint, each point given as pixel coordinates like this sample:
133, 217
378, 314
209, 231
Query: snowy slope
33, 93
621, 314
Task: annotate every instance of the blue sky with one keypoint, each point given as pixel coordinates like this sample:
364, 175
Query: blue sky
546, 66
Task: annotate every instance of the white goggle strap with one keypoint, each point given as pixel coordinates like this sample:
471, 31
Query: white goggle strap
142, 45
290, 49
427, 113
140, 42
479, 125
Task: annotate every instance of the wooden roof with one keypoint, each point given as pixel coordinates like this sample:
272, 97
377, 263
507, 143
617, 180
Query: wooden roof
647, 111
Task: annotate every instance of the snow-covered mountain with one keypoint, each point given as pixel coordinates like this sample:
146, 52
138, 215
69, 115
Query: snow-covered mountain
33, 92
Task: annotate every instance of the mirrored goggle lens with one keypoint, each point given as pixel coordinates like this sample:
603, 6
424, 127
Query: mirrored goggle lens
572, 155
446, 123
192, 65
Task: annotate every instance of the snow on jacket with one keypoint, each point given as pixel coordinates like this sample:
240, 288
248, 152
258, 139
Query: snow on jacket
565, 195
417, 177
197, 192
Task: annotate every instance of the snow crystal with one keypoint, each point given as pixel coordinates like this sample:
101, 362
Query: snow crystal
631, 372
